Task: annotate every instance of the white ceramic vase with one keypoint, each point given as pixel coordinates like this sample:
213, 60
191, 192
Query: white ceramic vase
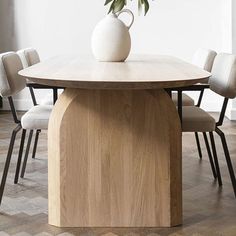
111, 38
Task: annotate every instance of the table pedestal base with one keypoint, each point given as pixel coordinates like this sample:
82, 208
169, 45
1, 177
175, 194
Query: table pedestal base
115, 159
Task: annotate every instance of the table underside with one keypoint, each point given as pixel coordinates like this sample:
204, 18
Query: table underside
115, 159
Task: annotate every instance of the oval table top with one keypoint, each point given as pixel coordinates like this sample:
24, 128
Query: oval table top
138, 72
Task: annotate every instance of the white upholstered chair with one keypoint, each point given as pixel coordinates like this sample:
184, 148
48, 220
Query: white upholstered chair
203, 58
30, 57
35, 119
194, 119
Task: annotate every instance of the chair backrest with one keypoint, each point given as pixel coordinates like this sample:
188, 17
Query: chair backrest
10, 82
223, 79
28, 56
204, 58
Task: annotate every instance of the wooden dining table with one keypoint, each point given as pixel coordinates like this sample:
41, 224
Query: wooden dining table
115, 140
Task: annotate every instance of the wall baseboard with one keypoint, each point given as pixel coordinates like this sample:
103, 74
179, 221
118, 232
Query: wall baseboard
211, 106
231, 114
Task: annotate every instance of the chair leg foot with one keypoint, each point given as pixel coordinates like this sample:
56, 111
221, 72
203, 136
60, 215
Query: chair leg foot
215, 158
35, 143
228, 159
20, 156
198, 145
210, 156
8, 160
26, 154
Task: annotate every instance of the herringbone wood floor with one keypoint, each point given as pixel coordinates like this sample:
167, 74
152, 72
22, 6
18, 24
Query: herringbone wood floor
208, 210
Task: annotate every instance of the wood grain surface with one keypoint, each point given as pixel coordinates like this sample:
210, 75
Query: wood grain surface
115, 160
138, 72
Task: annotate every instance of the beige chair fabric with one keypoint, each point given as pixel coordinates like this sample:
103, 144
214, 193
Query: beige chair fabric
204, 58
223, 82
5, 89
197, 120
29, 57
21, 54
32, 56
223, 79
186, 100
37, 118
11, 83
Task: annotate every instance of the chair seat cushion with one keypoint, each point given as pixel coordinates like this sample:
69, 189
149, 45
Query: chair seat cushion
186, 100
197, 120
37, 117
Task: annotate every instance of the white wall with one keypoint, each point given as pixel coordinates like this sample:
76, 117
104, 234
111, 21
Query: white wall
175, 27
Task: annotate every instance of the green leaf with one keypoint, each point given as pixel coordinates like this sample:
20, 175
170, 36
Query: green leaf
111, 7
119, 5
107, 2
146, 7
139, 6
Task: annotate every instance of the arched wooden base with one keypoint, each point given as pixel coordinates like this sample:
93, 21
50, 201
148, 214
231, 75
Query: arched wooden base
115, 160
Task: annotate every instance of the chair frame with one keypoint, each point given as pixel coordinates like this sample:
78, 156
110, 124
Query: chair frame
198, 87
31, 87
201, 88
214, 165
15, 131
11, 147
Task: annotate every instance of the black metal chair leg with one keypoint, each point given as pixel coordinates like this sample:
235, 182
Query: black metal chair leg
26, 154
55, 95
210, 155
215, 158
8, 160
228, 159
180, 105
35, 143
20, 156
33, 96
198, 145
